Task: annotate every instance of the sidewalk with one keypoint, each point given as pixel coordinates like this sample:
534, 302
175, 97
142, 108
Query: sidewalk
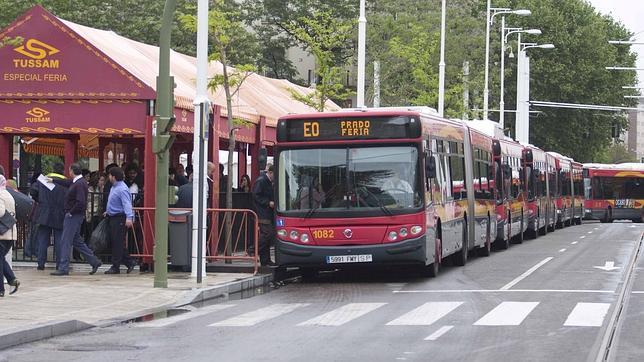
46, 306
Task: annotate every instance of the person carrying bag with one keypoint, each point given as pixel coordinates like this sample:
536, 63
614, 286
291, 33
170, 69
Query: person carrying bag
8, 234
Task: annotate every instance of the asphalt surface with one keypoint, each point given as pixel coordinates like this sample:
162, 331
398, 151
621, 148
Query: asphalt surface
543, 300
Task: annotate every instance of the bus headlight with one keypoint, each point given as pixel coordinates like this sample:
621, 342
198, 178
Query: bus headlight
294, 235
282, 233
403, 232
304, 238
393, 236
415, 230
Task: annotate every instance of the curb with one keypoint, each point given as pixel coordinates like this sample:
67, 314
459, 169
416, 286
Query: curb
41, 331
28, 334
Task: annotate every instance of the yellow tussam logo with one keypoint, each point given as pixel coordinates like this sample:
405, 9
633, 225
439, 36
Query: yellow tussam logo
38, 115
37, 52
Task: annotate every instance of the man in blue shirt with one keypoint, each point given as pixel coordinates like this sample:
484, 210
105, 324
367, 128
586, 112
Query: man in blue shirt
120, 217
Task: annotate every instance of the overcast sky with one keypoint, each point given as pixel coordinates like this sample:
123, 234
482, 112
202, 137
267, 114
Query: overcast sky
631, 14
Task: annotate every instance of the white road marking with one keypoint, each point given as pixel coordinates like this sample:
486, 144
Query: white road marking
343, 314
507, 314
587, 315
259, 315
426, 314
182, 317
590, 232
638, 292
508, 290
436, 335
562, 250
582, 237
526, 274
574, 242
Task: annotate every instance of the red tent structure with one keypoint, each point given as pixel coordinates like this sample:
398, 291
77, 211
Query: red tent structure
72, 90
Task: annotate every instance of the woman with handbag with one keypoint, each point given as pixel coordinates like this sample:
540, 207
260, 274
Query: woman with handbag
8, 235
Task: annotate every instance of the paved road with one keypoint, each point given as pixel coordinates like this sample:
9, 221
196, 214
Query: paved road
543, 300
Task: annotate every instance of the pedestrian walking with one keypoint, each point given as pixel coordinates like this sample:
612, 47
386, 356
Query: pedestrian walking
75, 207
50, 213
120, 217
7, 238
264, 203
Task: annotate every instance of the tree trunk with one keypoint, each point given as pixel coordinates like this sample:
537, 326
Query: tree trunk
231, 150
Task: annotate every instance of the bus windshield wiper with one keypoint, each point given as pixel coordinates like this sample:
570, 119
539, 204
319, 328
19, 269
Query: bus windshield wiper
311, 212
380, 204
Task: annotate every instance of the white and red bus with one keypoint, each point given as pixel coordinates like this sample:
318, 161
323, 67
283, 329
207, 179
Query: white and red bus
379, 186
511, 209
539, 169
563, 193
578, 198
615, 192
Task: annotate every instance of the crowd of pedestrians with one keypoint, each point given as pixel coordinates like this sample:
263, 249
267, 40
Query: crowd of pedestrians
68, 204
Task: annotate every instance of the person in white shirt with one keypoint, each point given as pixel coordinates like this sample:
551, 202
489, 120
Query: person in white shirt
399, 189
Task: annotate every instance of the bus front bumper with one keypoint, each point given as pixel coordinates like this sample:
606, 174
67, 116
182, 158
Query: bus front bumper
617, 214
411, 251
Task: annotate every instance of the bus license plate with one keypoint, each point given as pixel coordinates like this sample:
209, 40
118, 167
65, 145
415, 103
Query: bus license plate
336, 259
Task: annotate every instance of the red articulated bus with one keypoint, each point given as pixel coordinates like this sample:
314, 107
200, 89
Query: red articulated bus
539, 169
614, 192
578, 198
378, 186
511, 210
563, 194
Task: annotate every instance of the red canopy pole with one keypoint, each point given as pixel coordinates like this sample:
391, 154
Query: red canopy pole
149, 192
260, 134
241, 162
213, 233
101, 153
71, 151
6, 154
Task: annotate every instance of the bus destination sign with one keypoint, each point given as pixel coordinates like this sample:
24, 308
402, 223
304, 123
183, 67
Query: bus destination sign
329, 129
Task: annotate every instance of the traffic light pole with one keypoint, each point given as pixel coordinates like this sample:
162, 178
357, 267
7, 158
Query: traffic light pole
161, 142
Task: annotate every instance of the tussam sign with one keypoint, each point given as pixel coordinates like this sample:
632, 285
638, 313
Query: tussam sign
31, 59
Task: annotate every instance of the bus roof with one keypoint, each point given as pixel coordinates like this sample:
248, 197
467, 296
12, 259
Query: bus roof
617, 167
362, 112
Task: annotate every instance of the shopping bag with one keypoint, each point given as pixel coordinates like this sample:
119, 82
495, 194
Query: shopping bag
99, 240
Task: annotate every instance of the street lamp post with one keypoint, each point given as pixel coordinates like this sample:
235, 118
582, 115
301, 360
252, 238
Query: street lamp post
441, 64
505, 32
490, 14
362, 39
523, 91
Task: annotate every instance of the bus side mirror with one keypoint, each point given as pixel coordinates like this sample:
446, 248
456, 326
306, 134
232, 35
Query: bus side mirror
262, 158
430, 166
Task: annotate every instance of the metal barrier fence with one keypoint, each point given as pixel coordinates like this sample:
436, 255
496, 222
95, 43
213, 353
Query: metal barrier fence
236, 242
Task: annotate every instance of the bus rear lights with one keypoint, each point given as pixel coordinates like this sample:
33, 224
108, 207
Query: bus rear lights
415, 230
294, 235
304, 238
403, 232
393, 236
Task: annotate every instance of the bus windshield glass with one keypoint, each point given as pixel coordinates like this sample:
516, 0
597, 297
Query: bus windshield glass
372, 180
614, 188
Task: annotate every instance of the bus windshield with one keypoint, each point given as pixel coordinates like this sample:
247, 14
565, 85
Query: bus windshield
613, 188
374, 180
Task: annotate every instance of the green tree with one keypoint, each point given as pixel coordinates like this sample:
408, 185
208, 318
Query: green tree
616, 153
9, 41
134, 19
274, 20
323, 35
230, 42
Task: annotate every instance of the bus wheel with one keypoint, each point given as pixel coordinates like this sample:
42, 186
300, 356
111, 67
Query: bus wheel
432, 269
639, 220
460, 258
486, 249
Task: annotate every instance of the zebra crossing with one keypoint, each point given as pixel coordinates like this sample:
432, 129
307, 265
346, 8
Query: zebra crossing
506, 313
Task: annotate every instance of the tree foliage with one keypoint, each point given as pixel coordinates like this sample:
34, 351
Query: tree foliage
325, 37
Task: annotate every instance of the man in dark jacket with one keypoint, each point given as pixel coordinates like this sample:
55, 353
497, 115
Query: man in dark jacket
184, 195
49, 215
264, 203
75, 207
